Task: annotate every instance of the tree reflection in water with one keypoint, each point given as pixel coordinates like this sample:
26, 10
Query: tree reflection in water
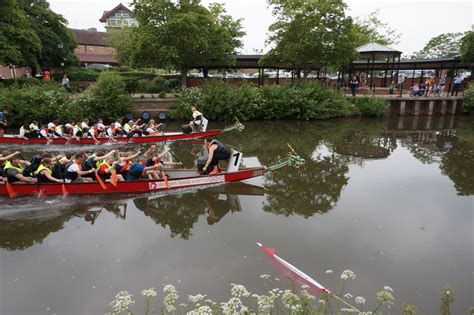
181, 211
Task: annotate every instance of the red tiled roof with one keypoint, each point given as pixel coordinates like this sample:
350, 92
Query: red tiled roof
109, 13
96, 58
92, 38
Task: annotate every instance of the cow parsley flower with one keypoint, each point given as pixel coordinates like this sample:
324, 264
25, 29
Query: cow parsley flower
264, 276
348, 296
348, 274
149, 292
123, 301
360, 300
289, 299
275, 293
196, 298
239, 290
233, 306
170, 298
265, 304
387, 288
329, 271
385, 297
202, 310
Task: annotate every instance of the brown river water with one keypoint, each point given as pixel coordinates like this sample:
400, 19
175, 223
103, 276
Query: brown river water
392, 200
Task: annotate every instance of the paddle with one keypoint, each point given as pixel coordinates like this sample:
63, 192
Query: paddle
11, 192
100, 181
165, 179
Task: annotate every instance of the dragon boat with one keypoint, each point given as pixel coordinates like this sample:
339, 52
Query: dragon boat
166, 136
173, 179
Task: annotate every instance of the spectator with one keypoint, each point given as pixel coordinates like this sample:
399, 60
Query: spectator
457, 84
401, 81
392, 87
65, 82
441, 84
354, 83
429, 85
415, 90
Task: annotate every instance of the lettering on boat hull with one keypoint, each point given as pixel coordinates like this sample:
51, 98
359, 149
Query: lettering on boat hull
187, 182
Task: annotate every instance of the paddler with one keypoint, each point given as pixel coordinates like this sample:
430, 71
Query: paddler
34, 129
13, 171
105, 169
125, 163
139, 171
217, 151
74, 172
3, 121
197, 121
44, 172
112, 132
94, 132
5, 156
85, 125
24, 132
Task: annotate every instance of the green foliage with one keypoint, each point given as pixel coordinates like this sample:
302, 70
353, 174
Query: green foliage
371, 106
79, 74
221, 101
48, 101
441, 46
181, 35
107, 98
469, 99
371, 29
447, 298
467, 47
30, 33
42, 102
20, 82
310, 33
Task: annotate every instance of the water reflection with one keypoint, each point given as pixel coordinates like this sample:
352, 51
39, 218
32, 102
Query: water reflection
180, 212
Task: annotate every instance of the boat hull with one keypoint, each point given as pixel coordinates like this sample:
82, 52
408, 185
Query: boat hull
142, 186
168, 136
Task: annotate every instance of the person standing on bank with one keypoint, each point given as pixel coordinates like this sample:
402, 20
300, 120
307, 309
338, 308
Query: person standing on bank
65, 83
457, 84
217, 151
354, 85
3, 121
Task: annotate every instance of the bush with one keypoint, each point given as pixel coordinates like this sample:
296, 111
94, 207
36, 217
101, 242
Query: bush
20, 82
107, 98
79, 74
469, 99
42, 102
371, 106
219, 100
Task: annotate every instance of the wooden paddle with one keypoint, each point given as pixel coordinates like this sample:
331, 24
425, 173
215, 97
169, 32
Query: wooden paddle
100, 181
11, 192
165, 179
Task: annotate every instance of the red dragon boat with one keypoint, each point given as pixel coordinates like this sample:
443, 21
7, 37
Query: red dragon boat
176, 179
166, 136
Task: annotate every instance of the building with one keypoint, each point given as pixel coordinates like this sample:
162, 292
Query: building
118, 17
92, 48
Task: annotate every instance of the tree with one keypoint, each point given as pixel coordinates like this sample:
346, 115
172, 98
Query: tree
57, 41
371, 29
467, 47
19, 43
441, 46
31, 35
122, 40
183, 35
310, 33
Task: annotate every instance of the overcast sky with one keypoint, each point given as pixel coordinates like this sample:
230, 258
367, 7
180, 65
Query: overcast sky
416, 20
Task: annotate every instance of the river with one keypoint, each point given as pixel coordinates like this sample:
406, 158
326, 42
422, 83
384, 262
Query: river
390, 199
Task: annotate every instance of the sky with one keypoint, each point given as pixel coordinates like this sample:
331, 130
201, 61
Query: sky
416, 20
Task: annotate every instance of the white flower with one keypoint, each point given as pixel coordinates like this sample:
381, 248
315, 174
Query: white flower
385, 297
306, 295
348, 274
196, 298
389, 289
233, 306
289, 299
203, 310
149, 292
321, 301
304, 286
360, 300
170, 298
264, 276
348, 296
329, 271
347, 310
275, 293
123, 301
265, 304
239, 290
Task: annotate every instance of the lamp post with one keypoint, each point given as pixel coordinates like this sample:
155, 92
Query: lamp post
61, 46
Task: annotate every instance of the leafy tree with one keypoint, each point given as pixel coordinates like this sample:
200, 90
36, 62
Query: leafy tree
19, 43
57, 41
183, 35
122, 40
310, 33
371, 29
30, 34
467, 47
441, 46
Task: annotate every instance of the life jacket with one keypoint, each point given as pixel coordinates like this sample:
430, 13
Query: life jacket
33, 127
78, 126
101, 164
88, 163
35, 162
58, 170
221, 148
9, 165
95, 131
122, 169
72, 176
42, 178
